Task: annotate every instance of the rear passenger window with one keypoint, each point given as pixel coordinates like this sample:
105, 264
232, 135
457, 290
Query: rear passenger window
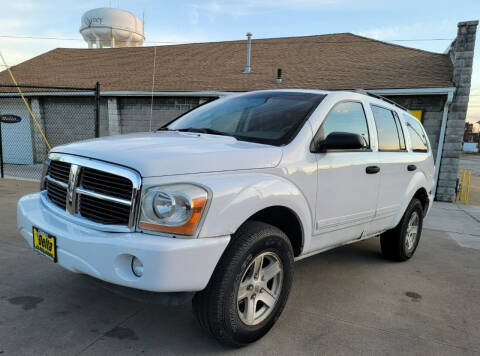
400, 132
387, 129
346, 117
417, 135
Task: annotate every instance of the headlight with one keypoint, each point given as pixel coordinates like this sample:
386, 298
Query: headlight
175, 208
46, 164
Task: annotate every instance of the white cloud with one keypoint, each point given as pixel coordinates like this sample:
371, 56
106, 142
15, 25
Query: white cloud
25, 5
11, 24
411, 31
251, 7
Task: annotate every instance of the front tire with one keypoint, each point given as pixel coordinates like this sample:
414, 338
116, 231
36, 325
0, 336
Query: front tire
400, 243
249, 287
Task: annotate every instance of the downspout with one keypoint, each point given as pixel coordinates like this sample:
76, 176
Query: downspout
441, 140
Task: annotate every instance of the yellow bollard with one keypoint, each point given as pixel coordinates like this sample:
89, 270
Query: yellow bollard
462, 180
467, 186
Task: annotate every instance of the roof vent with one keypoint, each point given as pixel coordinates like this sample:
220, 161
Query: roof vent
249, 50
279, 76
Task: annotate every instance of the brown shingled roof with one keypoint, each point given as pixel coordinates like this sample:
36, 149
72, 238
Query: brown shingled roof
337, 61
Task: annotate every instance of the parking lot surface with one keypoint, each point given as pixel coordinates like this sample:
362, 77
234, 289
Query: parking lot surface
345, 301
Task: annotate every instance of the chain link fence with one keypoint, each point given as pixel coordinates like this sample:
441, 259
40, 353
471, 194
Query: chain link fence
44, 117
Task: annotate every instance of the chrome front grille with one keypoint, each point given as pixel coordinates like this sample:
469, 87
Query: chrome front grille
103, 211
57, 194
100, 192
106, 183
59, 170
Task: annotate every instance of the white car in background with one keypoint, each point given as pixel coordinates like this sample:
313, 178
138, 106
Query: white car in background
218, 204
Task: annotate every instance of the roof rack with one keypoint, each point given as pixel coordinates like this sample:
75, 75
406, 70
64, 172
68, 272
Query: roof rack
366, 92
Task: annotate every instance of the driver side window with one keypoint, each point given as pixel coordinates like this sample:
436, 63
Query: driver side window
347, 116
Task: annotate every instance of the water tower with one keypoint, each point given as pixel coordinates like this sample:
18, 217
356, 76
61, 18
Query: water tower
107, 27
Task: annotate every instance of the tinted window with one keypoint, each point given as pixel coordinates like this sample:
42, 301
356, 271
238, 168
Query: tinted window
388, 139
346, 117
400, 132
417, 134
265, 117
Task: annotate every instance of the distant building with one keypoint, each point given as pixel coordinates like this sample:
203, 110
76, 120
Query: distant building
434, 86
469, 135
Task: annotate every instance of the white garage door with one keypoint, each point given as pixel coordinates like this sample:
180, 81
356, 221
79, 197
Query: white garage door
16, 132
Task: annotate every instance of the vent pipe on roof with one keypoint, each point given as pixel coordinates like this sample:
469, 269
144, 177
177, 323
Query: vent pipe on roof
249, 50
279, 76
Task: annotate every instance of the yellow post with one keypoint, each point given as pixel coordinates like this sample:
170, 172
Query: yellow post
467, 186
462, 180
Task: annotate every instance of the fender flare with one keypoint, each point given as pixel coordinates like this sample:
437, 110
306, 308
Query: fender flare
418, 181
231, 207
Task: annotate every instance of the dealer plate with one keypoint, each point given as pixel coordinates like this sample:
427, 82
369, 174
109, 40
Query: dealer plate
45, 244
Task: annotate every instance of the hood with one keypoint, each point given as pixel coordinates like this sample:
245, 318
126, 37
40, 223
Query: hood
164, 153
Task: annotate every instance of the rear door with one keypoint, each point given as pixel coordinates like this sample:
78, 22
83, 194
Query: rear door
393, 160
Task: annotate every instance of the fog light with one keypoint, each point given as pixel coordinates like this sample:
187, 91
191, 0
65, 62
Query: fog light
137, 267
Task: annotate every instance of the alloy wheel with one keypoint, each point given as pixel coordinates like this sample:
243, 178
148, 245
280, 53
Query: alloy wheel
260, 288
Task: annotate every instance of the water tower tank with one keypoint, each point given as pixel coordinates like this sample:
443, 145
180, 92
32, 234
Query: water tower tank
107, 27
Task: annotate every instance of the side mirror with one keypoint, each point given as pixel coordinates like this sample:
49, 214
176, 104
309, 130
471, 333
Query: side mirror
341, 141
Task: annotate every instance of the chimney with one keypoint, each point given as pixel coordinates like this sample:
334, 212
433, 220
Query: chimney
249, 49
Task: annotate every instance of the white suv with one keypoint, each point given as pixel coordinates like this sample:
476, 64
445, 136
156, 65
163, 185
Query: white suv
219, 203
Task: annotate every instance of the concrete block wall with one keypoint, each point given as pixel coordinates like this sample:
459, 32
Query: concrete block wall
40, 149
461, 53
113, 117
135, 111
432, 107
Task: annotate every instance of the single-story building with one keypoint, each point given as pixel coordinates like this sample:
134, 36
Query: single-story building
145, 87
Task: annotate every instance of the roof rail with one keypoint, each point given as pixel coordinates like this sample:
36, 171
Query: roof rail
366, 92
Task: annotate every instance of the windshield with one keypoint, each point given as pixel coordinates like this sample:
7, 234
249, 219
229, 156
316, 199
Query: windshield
265, 117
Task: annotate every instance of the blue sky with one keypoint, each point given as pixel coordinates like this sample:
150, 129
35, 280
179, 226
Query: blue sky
217, 20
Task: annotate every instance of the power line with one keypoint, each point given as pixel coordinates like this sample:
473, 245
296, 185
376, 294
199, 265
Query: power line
264, 40
70, 39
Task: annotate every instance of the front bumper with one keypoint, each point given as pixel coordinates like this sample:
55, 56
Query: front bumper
170, 265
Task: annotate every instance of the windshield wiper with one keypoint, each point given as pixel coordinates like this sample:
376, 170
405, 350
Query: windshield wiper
205, 130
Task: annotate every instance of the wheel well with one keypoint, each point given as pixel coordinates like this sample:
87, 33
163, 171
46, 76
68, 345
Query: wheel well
422, 195
287, 221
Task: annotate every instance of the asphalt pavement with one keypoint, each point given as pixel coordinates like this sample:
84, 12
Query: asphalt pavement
345, 301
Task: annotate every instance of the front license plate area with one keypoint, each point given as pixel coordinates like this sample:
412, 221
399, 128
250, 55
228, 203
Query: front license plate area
45, 244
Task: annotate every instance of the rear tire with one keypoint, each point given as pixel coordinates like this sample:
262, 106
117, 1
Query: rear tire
249, 287
400, 243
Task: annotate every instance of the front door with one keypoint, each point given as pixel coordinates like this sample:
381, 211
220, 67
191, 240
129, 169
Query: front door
347, 194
